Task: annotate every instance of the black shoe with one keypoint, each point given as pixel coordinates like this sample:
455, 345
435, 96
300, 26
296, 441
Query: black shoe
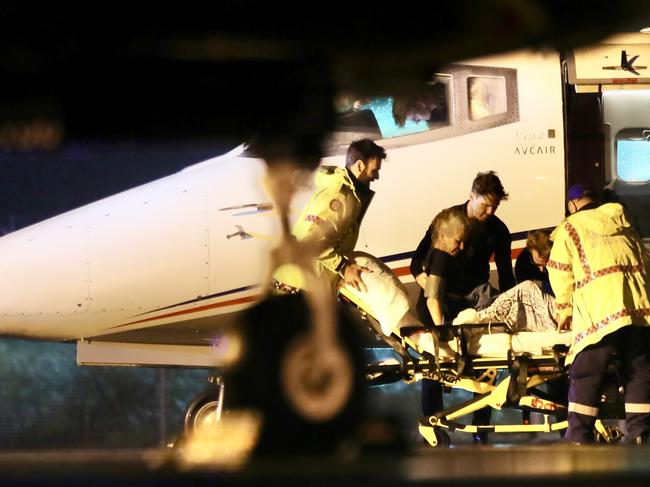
480, 438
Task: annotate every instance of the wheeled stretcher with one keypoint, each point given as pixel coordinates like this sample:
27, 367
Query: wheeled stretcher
505, 369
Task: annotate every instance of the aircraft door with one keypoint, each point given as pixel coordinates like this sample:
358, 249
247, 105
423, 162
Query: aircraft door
627, 117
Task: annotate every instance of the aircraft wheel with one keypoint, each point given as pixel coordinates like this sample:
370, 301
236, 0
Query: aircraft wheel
202, 411
309, 402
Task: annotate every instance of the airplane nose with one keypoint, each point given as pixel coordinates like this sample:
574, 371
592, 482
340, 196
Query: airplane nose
48, 272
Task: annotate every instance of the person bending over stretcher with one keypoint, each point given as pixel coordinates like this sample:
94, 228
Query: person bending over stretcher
386, 299
525, 307
448, 233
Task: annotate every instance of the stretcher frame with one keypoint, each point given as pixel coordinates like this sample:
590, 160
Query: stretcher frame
517, 389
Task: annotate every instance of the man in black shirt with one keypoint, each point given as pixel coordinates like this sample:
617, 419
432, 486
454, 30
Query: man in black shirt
468, 272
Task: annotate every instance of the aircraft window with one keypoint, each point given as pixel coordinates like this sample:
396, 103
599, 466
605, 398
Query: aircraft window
633, 160
399, 115
459, 99
486, 96
383, 110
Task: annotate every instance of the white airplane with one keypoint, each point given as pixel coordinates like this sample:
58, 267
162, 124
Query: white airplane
160, 274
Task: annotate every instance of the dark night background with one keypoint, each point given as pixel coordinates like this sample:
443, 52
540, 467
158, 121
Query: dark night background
39, 184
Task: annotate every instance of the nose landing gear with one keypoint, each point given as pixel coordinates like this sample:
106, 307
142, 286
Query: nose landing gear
206, 408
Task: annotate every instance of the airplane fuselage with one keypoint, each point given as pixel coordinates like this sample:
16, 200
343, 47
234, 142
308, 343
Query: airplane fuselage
186, 253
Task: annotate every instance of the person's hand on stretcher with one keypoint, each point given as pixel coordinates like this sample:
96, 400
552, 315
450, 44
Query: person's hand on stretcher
563, 323
352, 276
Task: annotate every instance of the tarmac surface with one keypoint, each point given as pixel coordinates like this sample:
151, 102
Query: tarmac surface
530, 465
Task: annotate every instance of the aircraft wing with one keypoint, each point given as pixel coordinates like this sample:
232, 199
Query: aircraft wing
196, 332
199, 342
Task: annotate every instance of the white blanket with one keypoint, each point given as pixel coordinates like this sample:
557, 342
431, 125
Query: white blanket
535, 343
386, 299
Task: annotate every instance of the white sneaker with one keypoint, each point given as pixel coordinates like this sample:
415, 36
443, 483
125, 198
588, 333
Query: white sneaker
469, 315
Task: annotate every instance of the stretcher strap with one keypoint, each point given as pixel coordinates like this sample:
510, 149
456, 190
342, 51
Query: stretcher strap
518, 379
409, 330
436, 348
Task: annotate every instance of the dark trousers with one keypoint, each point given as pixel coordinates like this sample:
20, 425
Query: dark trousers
431, 396
586, 379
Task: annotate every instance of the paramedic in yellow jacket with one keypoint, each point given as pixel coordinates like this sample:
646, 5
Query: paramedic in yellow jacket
332, 218
598, 269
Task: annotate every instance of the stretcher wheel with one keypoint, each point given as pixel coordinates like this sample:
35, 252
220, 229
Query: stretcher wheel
434, 436
443, 438
306, 406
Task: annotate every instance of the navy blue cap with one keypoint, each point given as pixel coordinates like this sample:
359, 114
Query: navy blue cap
576, 191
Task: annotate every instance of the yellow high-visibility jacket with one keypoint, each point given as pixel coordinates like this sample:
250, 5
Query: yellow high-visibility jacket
598, 269
332, 218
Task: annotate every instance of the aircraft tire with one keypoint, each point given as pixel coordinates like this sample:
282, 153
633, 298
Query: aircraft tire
201, 409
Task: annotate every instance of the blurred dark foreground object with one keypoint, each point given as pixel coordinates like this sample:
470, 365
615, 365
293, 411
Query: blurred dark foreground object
251, 67
305, 404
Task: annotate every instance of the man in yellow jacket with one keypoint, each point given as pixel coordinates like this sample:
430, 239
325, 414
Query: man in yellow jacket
332, 217
598, 269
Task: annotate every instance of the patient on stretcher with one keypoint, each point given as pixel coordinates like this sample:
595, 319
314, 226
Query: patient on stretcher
531, 304
524, 308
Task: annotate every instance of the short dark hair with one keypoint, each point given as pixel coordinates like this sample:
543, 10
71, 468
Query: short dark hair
540, 241
486, 183
364, 150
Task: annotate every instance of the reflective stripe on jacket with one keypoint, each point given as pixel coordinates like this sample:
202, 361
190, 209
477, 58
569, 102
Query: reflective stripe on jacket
598, 270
